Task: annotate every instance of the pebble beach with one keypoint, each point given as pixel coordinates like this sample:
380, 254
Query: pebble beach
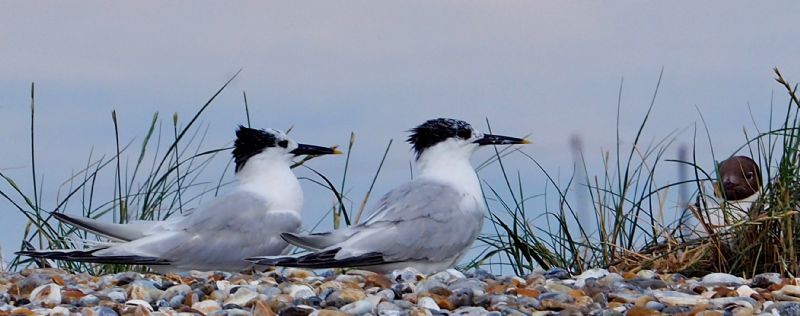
405, 292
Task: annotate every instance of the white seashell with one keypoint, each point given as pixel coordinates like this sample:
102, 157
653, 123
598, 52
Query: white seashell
47, 295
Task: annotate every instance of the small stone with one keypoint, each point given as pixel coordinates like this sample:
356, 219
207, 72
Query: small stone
377, 280
297, 273
641, 311
23, 311
429, 303
442, 301
242, 297
144, 290
558, 288
709, 313
764, 280
429, 285
176, 290
533, 293
89, 301
299, 310
358, 307
301, 291
32, 281
713, 279
481, 274
387, 308
139, 303
596, 274
742, 311
784, 308
656, 306
553, 305
329, 312
647, 274
725, 302
387, 294
59, 311
651, 284
345, 296
407, 275
71, 296
471, 311
207, 306
176, 301
103, 311
117, 296
261, 309
745, 291
47, 295
678, 298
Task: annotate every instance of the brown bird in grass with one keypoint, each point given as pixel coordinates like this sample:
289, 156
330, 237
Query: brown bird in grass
740, 177
739, 186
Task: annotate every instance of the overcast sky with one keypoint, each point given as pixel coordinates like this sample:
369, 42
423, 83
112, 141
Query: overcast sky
548, 69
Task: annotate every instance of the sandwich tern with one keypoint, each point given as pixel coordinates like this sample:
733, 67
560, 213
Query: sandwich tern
266, 201
428, 224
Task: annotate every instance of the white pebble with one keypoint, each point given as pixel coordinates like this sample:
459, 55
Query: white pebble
140, 303
301, 291
243, 297
358, 307
745, 291
46, 295
429, 303
207, 306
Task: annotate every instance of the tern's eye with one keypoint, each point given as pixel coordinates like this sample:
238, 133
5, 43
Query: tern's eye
464, 133
749, 175
283, 143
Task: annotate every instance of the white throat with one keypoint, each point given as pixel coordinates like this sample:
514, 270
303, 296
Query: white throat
448, 162
269, 175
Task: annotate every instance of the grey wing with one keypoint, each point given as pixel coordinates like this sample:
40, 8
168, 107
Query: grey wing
230, 228
422, 220
420, 198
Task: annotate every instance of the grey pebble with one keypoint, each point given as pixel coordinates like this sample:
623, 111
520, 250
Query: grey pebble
656, 306
764, 280
556, 273
785, 308
118, 296
89, 300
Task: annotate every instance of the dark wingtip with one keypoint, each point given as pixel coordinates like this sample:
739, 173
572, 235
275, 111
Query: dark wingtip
266, 261
88, 256
288, 237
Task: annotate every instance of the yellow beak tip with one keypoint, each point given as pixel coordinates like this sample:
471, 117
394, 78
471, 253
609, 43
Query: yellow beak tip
526, 141
336, 151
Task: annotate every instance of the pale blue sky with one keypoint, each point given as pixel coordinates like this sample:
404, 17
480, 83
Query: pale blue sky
549, 69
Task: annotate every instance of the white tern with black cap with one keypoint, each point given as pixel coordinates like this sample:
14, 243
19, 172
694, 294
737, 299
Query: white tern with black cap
428, 224
266, 201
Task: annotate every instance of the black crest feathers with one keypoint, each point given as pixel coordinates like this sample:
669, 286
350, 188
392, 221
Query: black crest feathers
250, 142
437, 130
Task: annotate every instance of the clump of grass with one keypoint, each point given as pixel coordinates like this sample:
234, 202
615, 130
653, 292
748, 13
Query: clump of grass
768, 240
629, 230
162, 180
625, 202
167, 175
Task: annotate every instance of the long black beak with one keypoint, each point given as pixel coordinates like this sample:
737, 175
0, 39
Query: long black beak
489, 139
305, 149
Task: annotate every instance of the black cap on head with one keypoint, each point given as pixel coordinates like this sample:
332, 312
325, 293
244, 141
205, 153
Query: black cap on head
250, 142
435, 131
